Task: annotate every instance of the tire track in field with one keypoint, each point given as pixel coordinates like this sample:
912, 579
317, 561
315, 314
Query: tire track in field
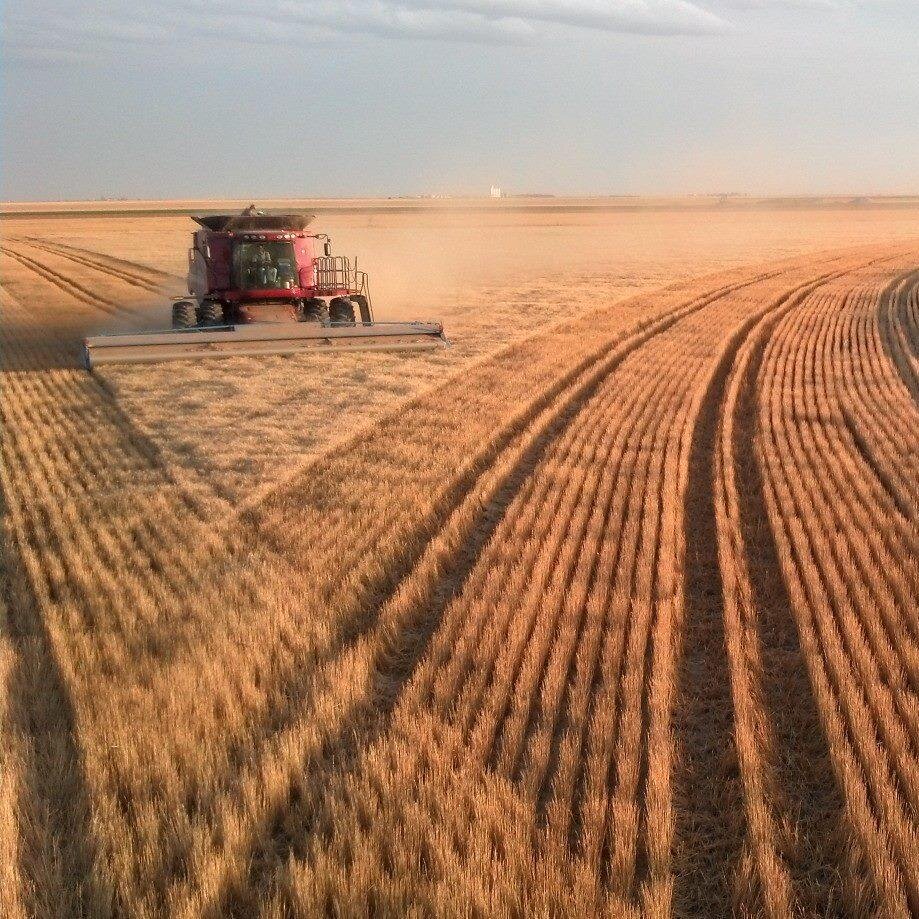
765, 663
133, 273
67, 284
712, 809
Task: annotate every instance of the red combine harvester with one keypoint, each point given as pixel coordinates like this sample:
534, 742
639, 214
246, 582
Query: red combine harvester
258, 286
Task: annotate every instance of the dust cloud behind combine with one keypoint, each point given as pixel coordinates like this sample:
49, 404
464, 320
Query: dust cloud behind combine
510, 628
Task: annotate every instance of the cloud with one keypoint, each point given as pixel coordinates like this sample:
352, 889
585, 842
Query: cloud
649, 17
84, 27
73, 30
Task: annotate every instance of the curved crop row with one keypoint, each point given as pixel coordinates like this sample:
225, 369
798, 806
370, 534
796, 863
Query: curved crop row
848, 556
468, 659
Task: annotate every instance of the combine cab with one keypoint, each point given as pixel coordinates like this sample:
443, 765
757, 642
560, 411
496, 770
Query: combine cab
261, 284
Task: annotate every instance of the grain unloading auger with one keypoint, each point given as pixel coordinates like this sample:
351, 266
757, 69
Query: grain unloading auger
257, 285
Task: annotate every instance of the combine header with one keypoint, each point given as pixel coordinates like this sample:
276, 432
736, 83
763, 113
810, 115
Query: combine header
258, 286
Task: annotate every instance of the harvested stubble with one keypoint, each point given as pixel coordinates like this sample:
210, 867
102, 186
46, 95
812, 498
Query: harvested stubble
523, 646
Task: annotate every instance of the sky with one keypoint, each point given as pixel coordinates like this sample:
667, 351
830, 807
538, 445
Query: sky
315, 98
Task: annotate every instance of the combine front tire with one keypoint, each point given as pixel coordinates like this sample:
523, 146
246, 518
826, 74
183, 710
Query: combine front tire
183, 315
363, 305
210, 314
314, 310
341, 311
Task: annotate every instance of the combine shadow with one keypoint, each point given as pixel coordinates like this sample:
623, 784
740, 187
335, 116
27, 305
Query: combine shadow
23, 347
393, 668
57, 847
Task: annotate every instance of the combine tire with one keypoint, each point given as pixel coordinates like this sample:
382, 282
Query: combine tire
183, 315
341, 310
363, 306
314, 310
210, 314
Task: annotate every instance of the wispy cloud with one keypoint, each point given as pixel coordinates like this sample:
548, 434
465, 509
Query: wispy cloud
77, 29
80, 27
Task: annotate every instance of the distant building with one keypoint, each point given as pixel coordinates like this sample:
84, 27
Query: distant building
496, 192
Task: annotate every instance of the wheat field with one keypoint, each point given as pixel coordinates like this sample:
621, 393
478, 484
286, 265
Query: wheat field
610, 609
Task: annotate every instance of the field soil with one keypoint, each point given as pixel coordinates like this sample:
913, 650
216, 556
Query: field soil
611, 608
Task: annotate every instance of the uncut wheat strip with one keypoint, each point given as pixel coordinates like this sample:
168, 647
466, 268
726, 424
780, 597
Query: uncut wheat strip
34, 572
878, 660
810, 602
539, 672
538, 522
598, 699
506, 664
509, 592
578, 658
506, 671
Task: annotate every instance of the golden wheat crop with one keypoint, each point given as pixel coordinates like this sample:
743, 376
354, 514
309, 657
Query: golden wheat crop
612, 609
